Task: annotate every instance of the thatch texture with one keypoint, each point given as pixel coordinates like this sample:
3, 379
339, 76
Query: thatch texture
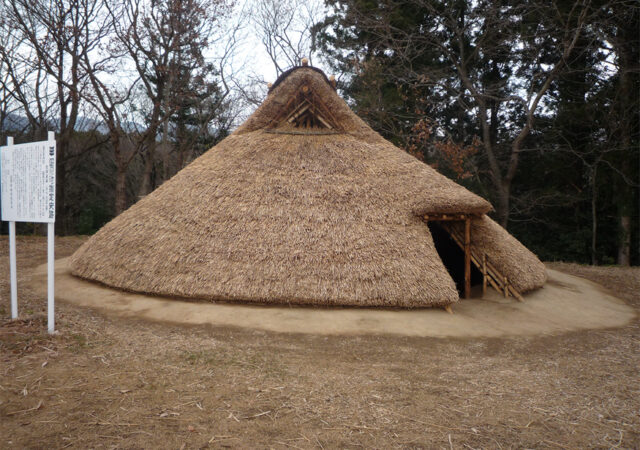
276, 215
523, 269
288, 85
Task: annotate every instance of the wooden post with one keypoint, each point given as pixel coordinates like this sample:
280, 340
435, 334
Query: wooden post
484, 274
467, 258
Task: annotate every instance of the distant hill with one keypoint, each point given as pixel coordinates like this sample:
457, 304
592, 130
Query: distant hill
18, 123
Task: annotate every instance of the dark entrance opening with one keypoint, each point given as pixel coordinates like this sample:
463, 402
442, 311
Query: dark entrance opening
452, 257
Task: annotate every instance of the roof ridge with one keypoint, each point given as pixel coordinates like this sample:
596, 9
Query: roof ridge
287, 87
287, 72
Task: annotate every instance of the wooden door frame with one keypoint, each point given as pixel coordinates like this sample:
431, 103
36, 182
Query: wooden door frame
467, 243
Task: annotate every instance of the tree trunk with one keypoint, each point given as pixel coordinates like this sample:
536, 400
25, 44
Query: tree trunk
148, 156
624, 192
594, 220
146, 183
121, 189
624, 240
181, 158
61, 181
628, 57
624, 37
166, 153
502, 208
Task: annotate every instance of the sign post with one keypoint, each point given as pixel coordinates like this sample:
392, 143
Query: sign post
12, 259
28, 188
51, 317
12, 269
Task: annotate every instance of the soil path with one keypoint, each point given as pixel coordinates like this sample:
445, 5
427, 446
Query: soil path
566, 303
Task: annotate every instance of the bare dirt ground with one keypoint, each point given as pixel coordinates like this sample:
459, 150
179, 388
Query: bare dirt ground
107, 382
565, 303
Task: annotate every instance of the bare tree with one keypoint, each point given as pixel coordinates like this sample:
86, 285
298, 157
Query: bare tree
26, 87
108, 95
56, 34
164, 40
285, 30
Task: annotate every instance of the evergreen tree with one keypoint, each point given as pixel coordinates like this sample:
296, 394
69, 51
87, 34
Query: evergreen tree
527, 86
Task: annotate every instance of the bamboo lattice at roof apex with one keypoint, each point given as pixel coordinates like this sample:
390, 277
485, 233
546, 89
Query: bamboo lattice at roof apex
306, 107
333, 108
304, 101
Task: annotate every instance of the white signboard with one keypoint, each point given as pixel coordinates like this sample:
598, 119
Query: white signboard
28, 194
29, 182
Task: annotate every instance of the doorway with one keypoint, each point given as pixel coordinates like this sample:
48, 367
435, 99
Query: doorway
452, 257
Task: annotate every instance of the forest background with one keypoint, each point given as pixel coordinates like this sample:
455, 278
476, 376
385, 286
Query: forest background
534, 105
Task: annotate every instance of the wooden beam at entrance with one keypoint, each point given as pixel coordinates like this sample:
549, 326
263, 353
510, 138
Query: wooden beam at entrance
467, 258
445, 217
484, 274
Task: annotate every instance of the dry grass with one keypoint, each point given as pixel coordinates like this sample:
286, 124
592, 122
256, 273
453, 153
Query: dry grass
113, 383
624, 282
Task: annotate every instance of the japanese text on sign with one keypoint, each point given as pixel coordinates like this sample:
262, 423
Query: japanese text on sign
28, 179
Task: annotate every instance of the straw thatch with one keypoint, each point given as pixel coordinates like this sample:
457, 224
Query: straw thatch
512, 259
276, 214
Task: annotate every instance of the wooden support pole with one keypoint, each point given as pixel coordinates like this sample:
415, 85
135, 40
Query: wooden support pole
495, 285
467, 258
484, 274
516, 294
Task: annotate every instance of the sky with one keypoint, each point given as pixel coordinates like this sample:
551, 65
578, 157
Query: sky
241, 53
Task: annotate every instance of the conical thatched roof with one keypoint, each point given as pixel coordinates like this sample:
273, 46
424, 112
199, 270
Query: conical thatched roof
282, 213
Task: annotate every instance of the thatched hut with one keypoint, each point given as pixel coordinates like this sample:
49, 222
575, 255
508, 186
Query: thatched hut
305, 204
